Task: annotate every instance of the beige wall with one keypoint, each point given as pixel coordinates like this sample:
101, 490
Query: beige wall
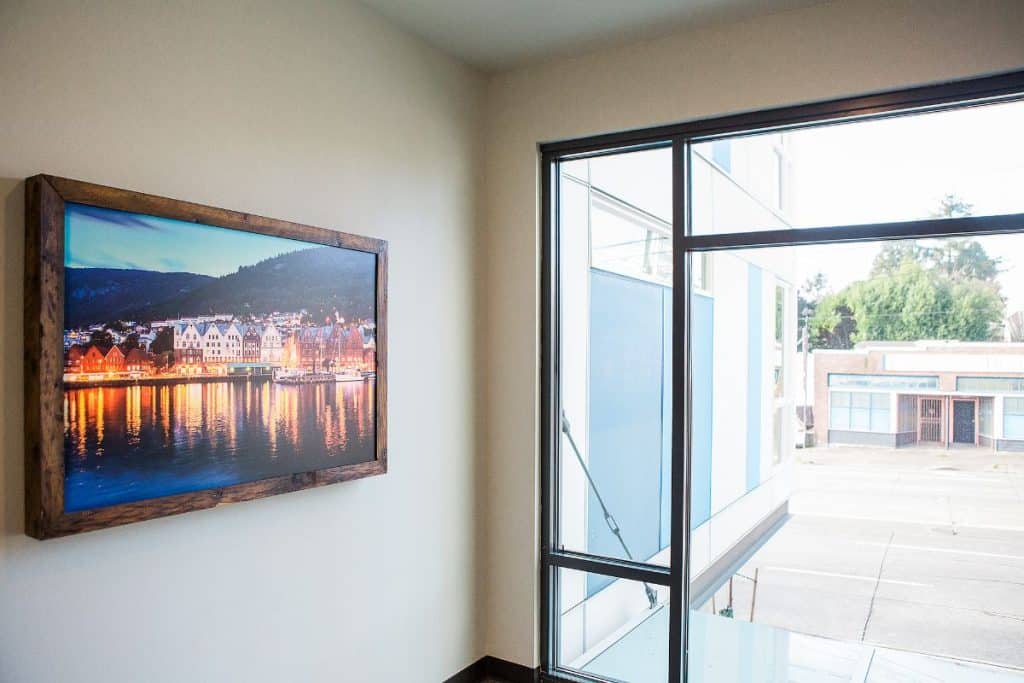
831, 50
311, 111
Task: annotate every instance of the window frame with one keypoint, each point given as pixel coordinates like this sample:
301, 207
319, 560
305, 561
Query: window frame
929, 98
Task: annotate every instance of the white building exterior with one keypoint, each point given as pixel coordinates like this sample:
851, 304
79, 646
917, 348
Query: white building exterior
271, 344
615, 261
213, 344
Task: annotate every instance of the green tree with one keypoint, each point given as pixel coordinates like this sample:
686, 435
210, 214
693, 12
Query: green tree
833, 325
964, 259
162, 348
951, 206
131, 342
164, 341
808, 296
915, 302
926, 289
892, 255
960, 259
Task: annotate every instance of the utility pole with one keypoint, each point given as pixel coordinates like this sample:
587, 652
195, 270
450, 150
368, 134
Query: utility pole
805, 343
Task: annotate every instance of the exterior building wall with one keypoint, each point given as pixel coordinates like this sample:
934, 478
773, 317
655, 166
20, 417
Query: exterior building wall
616, 364
948, 362
232, 342
212, 344
857, 438
271, 345
93, 360
114, 360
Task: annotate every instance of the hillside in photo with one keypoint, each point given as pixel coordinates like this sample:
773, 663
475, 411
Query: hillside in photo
99, 295
320, 280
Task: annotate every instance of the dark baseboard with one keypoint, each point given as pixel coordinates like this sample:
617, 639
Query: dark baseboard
504, 670
493, 668
474, 673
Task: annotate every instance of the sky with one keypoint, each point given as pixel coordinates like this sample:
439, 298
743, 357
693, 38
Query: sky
884, 170
105, 238
899, 169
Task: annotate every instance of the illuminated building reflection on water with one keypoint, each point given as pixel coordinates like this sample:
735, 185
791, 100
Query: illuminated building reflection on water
124, 444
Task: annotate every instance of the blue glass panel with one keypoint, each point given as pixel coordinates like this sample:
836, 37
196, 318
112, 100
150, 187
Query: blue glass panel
626, 411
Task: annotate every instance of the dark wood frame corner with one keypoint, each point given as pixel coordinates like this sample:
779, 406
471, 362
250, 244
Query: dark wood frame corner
45, 198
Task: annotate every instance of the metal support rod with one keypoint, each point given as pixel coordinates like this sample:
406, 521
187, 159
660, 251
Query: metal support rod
613, 526
753, 596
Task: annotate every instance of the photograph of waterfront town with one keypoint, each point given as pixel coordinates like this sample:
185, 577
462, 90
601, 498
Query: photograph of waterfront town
198, 357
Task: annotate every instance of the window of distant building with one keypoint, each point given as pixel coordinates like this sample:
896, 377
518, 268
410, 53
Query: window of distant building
859, 411
1006, 385
870, 381
1013, 418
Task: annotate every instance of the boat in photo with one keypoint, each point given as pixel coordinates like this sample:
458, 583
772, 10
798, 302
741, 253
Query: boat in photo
348, 375
300, 376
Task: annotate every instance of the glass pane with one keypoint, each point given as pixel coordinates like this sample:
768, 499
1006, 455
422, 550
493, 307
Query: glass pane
616, 330
944, 164
1005, 385
1014, 427
879, 420
620, 632
879, 525
840, 417
884, 381
1014, 405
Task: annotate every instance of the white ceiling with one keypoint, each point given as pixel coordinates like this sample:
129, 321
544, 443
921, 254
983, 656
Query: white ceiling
498, 34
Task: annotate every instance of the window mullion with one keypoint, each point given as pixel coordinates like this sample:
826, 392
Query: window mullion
680, 518
622, 569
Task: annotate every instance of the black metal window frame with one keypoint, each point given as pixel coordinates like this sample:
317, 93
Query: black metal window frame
949, 95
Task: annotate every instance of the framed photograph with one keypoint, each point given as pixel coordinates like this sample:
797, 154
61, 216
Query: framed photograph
180, 357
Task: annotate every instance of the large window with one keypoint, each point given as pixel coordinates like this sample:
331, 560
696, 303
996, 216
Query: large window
867, 381
986, 415
1002, 385
704, 330
859, 411
1013, 418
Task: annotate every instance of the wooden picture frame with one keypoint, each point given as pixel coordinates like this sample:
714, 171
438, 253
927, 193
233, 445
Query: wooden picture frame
45, 514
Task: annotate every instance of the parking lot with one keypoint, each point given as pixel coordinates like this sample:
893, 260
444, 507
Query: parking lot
913, 549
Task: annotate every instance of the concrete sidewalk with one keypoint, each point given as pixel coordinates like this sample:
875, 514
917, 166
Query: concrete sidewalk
913, 549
